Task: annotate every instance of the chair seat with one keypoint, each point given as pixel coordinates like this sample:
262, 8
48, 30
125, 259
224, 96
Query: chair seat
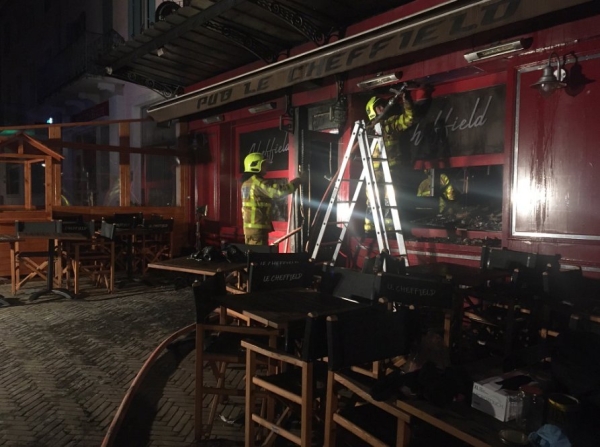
227, 344
377, 422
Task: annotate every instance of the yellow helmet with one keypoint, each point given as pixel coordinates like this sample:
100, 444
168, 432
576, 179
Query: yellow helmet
444, 180
253, 162
370, 108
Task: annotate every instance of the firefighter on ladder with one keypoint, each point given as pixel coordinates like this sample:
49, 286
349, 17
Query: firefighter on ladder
389, 128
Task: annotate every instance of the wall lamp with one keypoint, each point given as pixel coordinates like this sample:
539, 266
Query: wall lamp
160, 52
392, 78
551, 79
498, 50
213, 119
263, 107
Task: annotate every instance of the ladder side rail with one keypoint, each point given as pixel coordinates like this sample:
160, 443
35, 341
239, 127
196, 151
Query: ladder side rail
372, 190
346, 223
336, 189
393, 203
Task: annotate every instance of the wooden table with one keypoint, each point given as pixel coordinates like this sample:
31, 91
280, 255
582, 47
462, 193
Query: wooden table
280, 309
195, 267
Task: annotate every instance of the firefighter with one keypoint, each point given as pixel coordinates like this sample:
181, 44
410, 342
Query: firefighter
389, 128
258, 195
447, 192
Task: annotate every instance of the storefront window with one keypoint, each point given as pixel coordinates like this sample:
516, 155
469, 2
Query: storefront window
159, 181
469, 198
89, 178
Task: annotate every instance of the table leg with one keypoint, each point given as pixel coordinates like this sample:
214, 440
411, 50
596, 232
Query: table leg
50, 289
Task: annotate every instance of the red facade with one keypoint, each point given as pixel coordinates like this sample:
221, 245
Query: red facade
550, 144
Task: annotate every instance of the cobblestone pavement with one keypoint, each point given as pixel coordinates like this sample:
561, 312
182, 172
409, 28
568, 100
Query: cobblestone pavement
65, 366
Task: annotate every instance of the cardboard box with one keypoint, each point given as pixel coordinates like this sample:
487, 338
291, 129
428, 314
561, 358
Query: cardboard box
492, 396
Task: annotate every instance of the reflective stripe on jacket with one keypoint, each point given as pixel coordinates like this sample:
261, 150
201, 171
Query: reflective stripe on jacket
257, 197
391, 127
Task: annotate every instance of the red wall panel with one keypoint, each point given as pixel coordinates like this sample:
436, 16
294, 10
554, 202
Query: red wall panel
557, 159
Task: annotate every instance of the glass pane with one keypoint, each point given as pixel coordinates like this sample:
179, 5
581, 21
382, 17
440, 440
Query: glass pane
38, 185
89, 179
14, 194
159, 180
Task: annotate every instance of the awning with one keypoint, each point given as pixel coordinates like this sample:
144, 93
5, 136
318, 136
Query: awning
447, 23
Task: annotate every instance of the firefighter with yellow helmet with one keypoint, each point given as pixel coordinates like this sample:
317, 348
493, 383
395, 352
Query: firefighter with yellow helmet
258, 195
389, 128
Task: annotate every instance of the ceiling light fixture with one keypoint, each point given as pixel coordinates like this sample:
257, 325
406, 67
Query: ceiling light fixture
551, 80
380, 80
498, 50
263, 107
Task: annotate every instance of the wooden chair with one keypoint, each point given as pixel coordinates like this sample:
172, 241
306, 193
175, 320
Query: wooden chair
94, 258
217, 347
496, 305
357, 286
268, 271
349, 284
423, 295
125, 243
157, 243
359, 337
35, 261
299, 386
237, 282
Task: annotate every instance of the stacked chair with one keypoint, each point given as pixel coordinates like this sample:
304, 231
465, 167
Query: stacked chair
356, 338
218, 345
298, 388
495, 311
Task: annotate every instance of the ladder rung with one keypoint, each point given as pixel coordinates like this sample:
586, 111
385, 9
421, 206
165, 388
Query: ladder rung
369, 178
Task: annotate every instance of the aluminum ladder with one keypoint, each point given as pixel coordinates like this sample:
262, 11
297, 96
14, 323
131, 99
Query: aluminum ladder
360, 138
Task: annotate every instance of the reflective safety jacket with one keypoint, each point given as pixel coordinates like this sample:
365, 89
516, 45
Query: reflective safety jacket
258, 195
391, 127
447, 192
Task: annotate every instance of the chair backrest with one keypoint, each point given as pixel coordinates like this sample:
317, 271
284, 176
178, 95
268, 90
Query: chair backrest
245, 248
127, 220
384, 262
38, 228
569, 286
350, 284
314, 343
107, 230
435, 293
502, 258
267, 271
204, 292
158, 225
366, 335
75, 227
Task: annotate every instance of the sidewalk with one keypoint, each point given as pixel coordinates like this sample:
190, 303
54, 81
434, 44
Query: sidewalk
65, 366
